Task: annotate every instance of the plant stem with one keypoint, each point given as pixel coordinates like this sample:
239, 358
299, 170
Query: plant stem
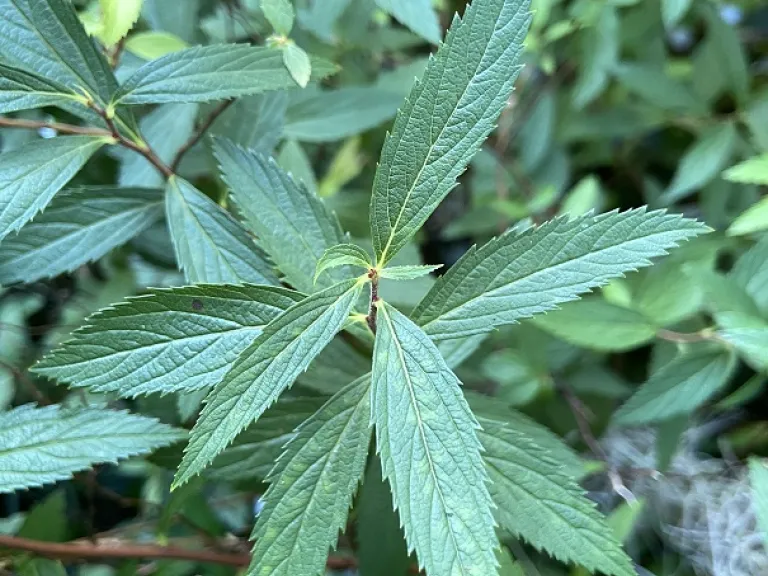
373, 310
682, 337
86, 550
200, 132
63, 128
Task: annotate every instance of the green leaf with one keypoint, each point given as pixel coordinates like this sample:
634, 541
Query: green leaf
43, 445
212, 72
23, 90
280, 15
679, 387
211, 246
312, 485
418, 15
381, 549
254, 121
330, 115
599, 55
751, 273
445, 119
728, 48
118, 17
427, 440
47, 521
152, 45
32, 174
172, 340
178, 18
594, 323
538, 502
753, 219
672, 11
298, 64
702, 162
655, 86
520, 274
293, 226
758, 478
751, 171
255, 451
408, 272
79, 226
748, 335
294, 160
343, 255
263, 370
46, 36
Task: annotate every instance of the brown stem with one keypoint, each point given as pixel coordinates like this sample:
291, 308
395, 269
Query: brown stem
63, 128
582, 416
116, 52
373, 310
91, 551
142, 149
682, 337
215, 113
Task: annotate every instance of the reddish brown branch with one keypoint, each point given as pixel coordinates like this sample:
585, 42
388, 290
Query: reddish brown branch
373, 311
200, 132
63, 128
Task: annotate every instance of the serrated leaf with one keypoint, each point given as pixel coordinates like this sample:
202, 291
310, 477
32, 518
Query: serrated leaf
312, 486
73, 59
298, 64
151, 45
23, 90
758, 479
537, 501
211, 246
418, 15
43, 445
343, 255
520, 274
594, 323
751, 171
702, 162
426, 436
679, 387
255, 451
408, 272
280, 15
264, 370
78, 226
293, 226
171, 340
212, 72
330, 115
31, 175
118, 17
445, 119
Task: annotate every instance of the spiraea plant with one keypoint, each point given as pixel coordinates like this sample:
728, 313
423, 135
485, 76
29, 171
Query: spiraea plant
279, 295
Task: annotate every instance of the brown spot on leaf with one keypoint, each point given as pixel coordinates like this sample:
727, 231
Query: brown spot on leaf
197, 304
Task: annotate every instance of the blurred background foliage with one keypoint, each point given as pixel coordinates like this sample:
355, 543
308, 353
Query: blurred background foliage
621, 103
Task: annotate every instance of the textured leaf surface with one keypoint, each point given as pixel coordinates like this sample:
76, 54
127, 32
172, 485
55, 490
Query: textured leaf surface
22, 90
255, 451
298, 64
343, 255
329, 115
211, 246
77, 227
267, 367
678, 387
212, 72
175, 340
312, 486
426, 436
292, 225
408, 272
445, 119
418, 15
42, 445
118, 17
521, 274
539, 502
32, 174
